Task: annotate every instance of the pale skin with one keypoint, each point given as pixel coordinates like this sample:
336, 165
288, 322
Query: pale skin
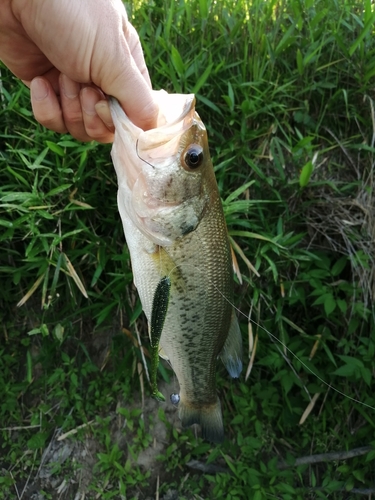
72, 54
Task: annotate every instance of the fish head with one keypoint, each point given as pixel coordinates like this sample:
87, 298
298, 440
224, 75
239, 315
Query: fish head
164, 174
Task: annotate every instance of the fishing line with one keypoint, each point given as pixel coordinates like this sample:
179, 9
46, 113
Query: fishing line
271, 335
136, 150
274, 338
305, 365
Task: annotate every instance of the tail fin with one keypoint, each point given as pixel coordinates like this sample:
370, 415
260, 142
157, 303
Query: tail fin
208, 417
231, 354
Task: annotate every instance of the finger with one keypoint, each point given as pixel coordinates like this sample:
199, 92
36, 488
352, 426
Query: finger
52, 76
94, 125
72, 109
73, 98
134, 95
46, 106
124, 75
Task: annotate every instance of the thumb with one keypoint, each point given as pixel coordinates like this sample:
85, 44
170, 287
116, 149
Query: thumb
134, 95
137, 100
127, 79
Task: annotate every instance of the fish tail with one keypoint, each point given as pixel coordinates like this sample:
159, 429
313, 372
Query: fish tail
208, 417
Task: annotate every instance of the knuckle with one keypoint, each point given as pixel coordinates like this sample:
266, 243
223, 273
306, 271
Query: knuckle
52, 123
100, 134
73, 118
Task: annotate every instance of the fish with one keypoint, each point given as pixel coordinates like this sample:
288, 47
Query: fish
175, 229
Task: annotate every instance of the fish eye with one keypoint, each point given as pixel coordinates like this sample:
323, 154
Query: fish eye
193, 157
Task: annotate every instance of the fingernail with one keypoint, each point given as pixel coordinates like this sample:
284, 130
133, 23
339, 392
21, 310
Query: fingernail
104, 113
39, 89
70, 88
89, 97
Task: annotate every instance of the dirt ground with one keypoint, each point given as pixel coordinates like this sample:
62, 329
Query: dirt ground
80, 455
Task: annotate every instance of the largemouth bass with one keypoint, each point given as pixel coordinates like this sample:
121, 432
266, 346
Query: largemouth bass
175, 228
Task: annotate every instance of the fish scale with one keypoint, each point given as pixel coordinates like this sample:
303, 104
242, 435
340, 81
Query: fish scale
175, 227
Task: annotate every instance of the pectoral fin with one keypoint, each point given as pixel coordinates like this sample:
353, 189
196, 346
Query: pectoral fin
231, 355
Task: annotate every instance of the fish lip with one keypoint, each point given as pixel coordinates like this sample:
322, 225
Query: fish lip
189, 106
120, 114
171, 130
163, 123
151, 145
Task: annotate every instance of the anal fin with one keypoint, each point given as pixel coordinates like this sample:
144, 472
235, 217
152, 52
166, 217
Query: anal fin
231, 354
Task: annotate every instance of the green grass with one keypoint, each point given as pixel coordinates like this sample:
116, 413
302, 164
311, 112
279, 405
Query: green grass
285, 90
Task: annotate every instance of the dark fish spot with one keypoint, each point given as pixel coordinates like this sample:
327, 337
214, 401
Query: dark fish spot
187, 228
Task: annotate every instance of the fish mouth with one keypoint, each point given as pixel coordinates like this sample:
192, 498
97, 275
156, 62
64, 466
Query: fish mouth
177, 117
176, 112
156, 148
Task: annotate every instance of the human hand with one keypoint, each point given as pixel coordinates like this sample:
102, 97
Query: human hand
71, 54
